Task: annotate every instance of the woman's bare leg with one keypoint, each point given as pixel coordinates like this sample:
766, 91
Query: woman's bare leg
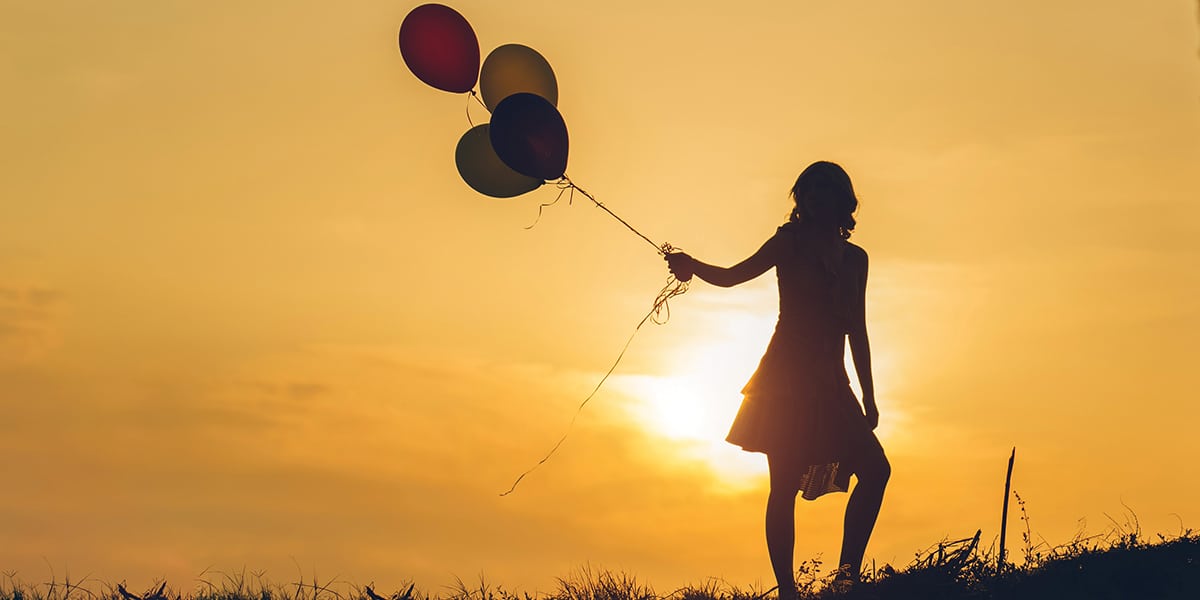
861, 512
781, 526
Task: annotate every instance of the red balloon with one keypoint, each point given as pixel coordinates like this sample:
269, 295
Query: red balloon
440, 48
530, 136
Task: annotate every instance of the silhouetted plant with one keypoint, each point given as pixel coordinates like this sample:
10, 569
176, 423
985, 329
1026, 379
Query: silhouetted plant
586, 584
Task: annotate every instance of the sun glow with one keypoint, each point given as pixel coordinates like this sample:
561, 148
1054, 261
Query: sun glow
691, 413
692, 407
681, 408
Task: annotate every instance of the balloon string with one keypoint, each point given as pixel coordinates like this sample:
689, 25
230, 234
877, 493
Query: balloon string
659, 313
544, 205
473, 94
673, 288
566, 183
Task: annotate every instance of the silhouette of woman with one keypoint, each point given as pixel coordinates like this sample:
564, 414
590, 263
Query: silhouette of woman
798, 407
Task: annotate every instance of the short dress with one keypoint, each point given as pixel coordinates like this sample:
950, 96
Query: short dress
798, 406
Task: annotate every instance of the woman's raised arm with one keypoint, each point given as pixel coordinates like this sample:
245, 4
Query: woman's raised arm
684, 266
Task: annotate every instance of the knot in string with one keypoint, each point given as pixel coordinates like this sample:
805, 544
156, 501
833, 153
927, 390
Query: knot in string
473, 95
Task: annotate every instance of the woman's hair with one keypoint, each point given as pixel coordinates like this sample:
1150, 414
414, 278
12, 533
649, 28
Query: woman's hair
824, 196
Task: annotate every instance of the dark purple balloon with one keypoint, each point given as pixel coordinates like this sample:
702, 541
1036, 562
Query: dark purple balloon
440, 48
530, 136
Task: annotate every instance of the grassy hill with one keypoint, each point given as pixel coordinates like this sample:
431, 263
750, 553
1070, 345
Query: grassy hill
1121, 566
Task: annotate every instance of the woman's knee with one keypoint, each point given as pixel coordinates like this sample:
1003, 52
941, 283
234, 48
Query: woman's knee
877, 471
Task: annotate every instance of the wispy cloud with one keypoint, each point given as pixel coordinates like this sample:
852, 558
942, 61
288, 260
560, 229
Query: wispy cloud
28, 322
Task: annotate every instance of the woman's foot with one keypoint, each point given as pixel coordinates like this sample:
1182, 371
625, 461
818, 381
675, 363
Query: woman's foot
844, 581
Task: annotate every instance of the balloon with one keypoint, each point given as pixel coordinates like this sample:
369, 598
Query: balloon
484, 171
440, 48
530, 136
513, 68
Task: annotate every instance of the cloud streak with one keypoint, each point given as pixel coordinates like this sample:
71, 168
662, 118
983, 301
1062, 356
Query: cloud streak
28, 322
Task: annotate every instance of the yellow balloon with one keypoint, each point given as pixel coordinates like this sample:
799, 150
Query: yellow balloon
484, 171
513, 68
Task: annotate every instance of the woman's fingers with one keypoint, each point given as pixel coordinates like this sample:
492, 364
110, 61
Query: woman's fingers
680, 265
872, 418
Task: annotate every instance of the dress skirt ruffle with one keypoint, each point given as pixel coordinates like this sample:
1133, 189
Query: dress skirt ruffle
808, 419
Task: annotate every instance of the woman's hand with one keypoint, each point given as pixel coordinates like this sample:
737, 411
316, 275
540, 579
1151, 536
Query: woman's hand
682, 266
872, 413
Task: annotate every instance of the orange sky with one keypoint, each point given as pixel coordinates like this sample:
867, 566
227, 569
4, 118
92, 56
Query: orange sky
251, 316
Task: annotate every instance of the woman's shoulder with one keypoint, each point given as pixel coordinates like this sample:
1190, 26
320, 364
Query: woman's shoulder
855, 258
788, 232
854, 250
792, 232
